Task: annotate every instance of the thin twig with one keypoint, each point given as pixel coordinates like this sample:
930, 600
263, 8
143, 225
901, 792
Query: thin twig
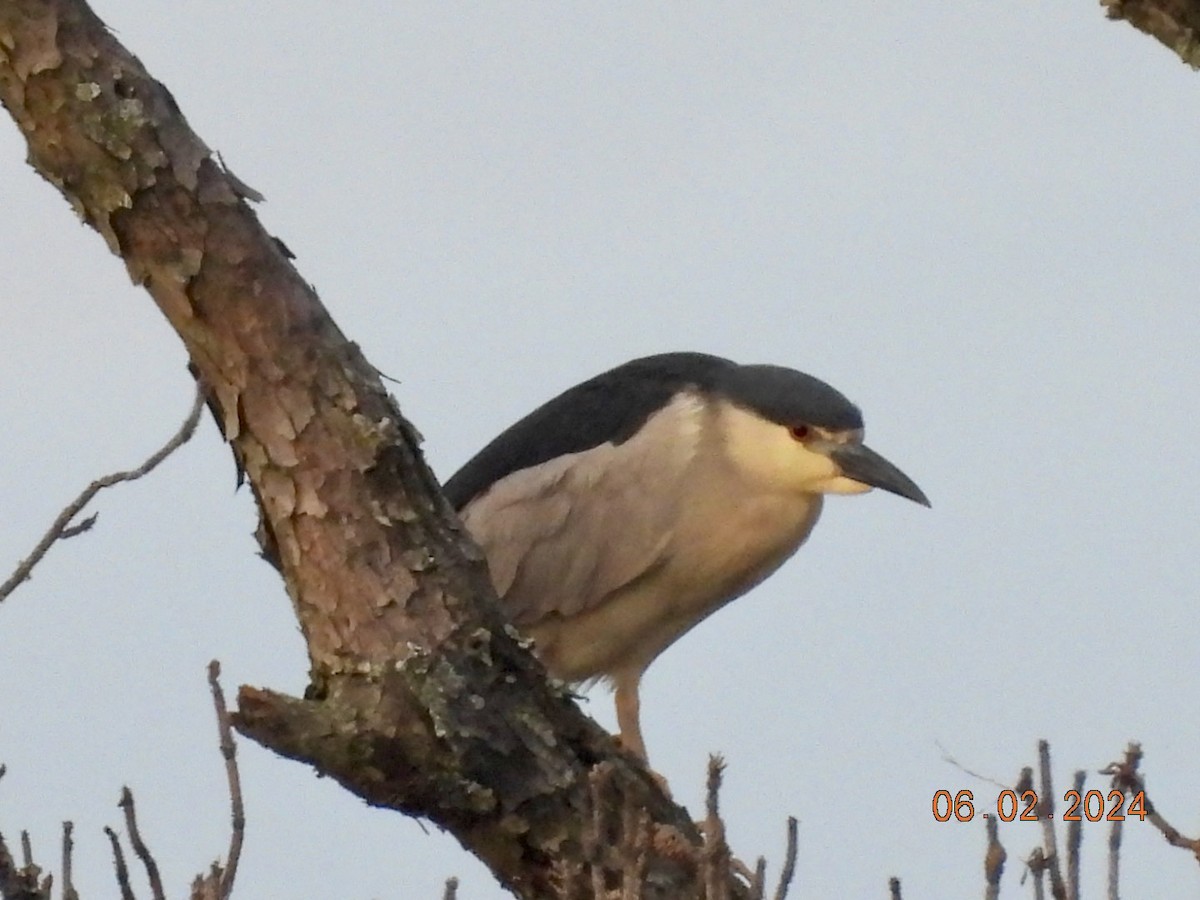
758, 887
1045, 810
21, 883
946, 757
1037, 868
207, 887
237, 807
139, 846
1114, 861
716, 851
1074, 842
993, 860
8, 869
26, 849
119, 865
1024, 781
62, 527
1122, 774
69, 892
789, 859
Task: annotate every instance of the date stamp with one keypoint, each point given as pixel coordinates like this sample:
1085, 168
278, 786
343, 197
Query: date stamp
1092, 806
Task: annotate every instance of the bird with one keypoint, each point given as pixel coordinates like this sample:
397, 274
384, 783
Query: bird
626, 510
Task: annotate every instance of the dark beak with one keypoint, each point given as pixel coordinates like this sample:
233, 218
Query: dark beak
864, 464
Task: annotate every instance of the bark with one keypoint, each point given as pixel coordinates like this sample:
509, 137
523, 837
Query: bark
1174, 23
420, 699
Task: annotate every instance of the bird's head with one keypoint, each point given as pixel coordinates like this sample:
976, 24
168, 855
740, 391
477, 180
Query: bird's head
787, 429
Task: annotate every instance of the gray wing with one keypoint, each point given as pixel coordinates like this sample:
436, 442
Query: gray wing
562, 536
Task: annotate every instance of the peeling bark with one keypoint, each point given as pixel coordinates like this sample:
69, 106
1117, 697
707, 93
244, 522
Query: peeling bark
421, 699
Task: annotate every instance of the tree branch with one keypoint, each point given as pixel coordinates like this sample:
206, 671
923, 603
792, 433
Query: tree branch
1173, 23
62, 528
422, 700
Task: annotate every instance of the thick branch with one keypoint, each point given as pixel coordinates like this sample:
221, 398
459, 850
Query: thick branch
421, 701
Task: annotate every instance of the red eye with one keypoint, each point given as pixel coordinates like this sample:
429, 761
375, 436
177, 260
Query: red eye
799, 432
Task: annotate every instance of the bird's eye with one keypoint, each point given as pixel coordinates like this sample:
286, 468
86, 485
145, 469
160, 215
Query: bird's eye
799, 432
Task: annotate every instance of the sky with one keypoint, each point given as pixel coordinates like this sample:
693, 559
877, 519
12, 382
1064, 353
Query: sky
977, 220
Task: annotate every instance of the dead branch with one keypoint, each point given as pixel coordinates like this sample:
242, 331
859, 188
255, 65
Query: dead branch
1045, 812
1125, 778
947, 758
69, 892
61, 528
789, 859
139, 846
993, 860
233, 778
122, 870
1074, 842
715, 854
24, 882
1036, 866
421, 700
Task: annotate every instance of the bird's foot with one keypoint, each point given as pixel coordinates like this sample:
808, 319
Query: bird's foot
638, 752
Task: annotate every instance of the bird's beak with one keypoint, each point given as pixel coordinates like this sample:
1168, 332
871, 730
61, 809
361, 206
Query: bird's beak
862, 464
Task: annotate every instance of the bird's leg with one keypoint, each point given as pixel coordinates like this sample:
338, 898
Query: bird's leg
630, 724
628, 713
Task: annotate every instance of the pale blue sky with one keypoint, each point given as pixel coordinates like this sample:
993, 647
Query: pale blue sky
976, 220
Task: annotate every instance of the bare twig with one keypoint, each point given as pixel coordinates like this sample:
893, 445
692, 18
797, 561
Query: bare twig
237, 807
1045, 809
119, 864
758, 886
1074, 841
1037, 868
946, 757
789, 859
1127, 779
139, 846
69, 892
716, 850
74, 530
1024, 781
993, 860
1114, 861
207, 887
894, 888
26, 849
21, 883
62, 527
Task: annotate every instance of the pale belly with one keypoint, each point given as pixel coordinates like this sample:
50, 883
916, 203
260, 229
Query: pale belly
717, 555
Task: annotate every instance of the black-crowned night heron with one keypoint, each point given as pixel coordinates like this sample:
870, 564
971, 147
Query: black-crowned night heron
623, 512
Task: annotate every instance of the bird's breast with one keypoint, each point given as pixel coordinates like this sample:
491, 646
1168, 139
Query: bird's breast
723, 544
